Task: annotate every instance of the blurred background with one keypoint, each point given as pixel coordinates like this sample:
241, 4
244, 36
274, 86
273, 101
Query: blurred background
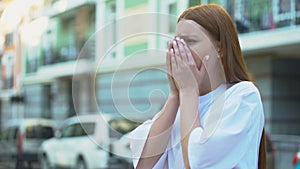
43, 41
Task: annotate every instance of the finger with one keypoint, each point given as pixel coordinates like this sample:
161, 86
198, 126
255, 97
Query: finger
168, 63
189, 55
176, 50
173, 61
170, 45
181, 49
196, 58
170, 54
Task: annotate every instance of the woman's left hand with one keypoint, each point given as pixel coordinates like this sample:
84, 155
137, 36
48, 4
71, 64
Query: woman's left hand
185, 72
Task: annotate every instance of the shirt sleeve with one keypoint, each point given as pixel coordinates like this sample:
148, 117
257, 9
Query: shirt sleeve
138, 139
225, 144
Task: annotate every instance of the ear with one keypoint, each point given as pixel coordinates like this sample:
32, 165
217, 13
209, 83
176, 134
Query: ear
218, 44
218, 47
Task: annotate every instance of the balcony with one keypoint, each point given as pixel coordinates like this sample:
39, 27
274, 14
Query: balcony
57, 7
267, 27
58, 55
69, 53
257, 15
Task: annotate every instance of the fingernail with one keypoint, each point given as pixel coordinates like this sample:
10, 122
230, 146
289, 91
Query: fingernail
182, 40
174, 42
172, 51
177, 38
206, 57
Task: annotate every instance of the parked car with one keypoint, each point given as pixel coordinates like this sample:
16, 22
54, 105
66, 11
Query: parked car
296, 160
21, 139
85, 142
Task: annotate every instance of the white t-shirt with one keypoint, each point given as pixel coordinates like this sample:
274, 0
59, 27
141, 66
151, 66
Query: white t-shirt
231, 120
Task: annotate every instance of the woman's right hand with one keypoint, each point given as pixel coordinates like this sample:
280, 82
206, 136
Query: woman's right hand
173, 88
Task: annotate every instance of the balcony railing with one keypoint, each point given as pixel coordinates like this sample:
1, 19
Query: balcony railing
66, 53
257, 15
69, 53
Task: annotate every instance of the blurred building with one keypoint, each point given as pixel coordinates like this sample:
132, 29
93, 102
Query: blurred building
49, 66
13, 15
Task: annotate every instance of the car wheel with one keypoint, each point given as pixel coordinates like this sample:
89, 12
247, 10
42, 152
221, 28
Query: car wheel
44, 163
80, 164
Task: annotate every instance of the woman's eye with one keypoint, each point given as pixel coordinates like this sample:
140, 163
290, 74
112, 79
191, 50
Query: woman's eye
189, 41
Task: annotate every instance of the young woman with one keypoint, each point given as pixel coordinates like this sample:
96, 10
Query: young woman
213, 117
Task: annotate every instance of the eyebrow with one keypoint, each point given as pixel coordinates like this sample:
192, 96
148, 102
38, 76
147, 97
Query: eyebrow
185, 36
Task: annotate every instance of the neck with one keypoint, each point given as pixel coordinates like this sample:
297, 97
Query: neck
211, 85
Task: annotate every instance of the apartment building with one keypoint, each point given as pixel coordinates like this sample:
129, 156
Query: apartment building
11, 96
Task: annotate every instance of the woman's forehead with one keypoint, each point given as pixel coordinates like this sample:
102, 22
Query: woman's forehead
189, 28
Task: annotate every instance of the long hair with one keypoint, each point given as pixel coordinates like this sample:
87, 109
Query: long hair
219, 24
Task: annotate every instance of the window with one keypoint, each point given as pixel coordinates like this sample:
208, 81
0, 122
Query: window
239, 12
4, 135
31, 65
298, 7
172, 8
39, 132
84, 129
47, 48
67, 45
111, 27
194, 2
79, 129
168, 23
284, 6
215, 1
251, 15
8, 63
119, 127
297, 12
32, 59
69, 131
46, 101
134, 3
13, 133
1, 77
286, 12
9, 39
230, 7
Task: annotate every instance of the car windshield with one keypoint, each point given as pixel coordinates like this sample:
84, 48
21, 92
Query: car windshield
78, 129
85, 129
39, 132
119, 127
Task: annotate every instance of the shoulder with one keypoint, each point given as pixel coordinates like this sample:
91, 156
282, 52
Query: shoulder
243, 88
243, 94
243, 101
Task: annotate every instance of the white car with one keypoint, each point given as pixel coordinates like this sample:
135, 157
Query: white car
86, 142
21, 139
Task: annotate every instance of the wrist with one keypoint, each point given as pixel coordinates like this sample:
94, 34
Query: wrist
174, 95
189, 92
